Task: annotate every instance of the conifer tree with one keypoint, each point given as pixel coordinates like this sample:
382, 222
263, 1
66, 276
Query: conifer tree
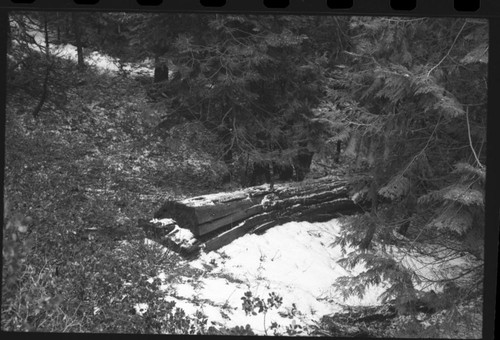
415, 133
253, 80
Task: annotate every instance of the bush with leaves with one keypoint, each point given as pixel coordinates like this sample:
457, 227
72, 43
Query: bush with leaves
255, 305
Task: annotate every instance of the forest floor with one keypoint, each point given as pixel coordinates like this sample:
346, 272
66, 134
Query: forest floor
84, 172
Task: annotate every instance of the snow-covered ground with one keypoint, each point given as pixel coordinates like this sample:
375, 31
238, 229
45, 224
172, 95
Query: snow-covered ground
102, 62
294, 260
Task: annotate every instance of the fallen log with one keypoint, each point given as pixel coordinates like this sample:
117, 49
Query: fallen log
217, 219
207, 213
363, 321
262, 222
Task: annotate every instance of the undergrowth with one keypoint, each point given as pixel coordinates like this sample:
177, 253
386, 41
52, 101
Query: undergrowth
77, 179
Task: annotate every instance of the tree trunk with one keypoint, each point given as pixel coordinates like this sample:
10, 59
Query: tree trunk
217, 219
337, 153
9, 36
45, 86
45, 90
373, 197
46, 34
78, 39
67, 27
99, 24
226, 135
58, 27
161, 71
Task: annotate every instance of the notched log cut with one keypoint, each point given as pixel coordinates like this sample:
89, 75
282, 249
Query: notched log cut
204, 214
217, 219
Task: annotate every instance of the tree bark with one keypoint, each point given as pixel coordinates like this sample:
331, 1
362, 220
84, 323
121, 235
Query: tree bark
43, 97
45, 87
9, 36
78, 39
217, 219
67, 27
161, 71
337, 153
46, 35
58, 28
372, 225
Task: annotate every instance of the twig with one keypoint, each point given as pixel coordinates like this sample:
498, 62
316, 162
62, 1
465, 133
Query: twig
470, 139
265, 328
404, 20
448, 53
425, 147
225, 115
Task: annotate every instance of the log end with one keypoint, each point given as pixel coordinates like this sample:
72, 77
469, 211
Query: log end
183, 215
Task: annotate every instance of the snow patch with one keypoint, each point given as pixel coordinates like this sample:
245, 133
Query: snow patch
141, 308
102, 62
295, 260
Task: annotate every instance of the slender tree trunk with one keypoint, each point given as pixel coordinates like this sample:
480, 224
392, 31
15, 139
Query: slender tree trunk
47, 42
337, 153
43, 97
161, 71
45, 87
78, 39
99, 24
67, 27
9, 38
226, 135
372, 225
58, 28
